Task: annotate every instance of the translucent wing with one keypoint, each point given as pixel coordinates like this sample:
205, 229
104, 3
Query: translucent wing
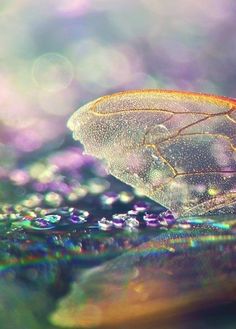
176, 147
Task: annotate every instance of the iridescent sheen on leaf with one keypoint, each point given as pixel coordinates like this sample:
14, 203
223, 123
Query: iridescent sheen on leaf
174, 274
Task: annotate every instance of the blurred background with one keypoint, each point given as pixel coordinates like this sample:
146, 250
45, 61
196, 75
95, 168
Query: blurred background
56, 55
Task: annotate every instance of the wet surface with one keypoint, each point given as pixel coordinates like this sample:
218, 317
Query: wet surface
81, 249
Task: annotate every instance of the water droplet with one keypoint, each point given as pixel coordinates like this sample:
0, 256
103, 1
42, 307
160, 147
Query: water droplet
119, 220
105, 224
53, 219
141, 206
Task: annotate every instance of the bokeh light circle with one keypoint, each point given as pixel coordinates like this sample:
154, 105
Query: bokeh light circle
52, 72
